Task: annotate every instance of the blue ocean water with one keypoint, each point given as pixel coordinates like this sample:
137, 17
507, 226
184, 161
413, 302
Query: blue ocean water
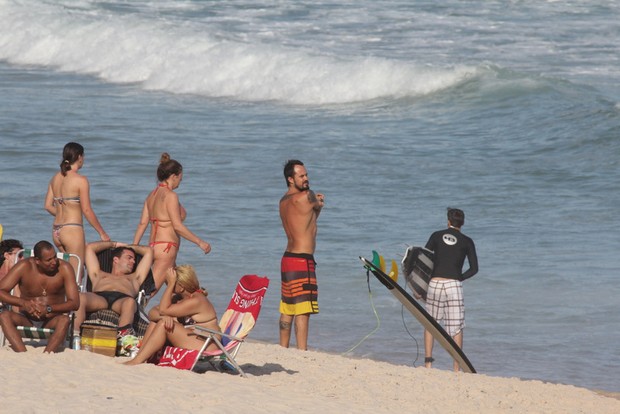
506, 109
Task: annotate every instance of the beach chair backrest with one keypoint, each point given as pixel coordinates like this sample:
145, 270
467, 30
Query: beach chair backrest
147, 287
244, 307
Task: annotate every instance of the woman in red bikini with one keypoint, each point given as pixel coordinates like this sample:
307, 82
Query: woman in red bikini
169, 321
165, 213
68, 200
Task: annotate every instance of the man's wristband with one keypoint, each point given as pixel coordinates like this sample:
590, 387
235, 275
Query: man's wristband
48, 309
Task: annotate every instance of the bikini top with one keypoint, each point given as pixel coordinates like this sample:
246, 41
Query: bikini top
62, 200
188, 320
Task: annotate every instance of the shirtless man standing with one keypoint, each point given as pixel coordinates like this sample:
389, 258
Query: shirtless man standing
116, 290
299, 210
47, 291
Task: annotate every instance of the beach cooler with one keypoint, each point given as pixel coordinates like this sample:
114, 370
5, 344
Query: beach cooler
99, 339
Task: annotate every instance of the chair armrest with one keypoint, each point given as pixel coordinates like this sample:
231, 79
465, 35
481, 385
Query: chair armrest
206, 332
141, 299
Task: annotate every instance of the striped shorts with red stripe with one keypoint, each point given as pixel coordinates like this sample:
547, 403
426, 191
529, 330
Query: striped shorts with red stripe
299, 286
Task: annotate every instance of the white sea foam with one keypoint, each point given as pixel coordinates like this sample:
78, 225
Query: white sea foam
161, 56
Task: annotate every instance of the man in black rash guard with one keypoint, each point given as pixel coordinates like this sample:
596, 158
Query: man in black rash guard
444, 300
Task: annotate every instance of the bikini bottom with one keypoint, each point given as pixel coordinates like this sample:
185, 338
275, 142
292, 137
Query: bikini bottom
168, 247
56, 228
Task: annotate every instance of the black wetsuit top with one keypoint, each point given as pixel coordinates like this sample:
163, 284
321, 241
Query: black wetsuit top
451, 247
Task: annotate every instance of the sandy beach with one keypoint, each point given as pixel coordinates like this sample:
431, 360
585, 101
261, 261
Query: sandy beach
279, 380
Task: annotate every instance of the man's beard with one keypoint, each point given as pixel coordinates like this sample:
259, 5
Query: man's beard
304, 187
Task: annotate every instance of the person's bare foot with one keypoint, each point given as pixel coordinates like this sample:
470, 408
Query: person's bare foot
428, 362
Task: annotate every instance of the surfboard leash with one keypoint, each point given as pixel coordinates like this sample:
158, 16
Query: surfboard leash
417, 345
372, 304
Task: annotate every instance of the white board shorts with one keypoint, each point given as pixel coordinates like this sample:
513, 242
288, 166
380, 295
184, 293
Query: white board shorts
444, 302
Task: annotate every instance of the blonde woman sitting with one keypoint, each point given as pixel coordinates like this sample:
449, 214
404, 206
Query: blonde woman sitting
168, 320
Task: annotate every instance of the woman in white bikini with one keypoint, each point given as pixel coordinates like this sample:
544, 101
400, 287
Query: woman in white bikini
68, 200
169, 321
166, 214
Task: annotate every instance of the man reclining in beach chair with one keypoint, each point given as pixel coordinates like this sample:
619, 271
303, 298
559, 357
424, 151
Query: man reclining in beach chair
107, 317
48, 291
117, 289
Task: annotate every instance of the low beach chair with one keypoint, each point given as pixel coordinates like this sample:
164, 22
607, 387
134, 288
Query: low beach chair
235, 325
109, 318
42, 334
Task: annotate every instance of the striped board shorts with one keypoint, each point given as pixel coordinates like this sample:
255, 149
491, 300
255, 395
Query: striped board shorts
444, 302
299, 287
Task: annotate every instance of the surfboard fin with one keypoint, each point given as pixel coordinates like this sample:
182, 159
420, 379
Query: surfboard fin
394, 271
379, 262
376, 259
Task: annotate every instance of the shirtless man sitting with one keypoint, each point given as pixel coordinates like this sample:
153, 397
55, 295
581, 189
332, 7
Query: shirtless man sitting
116, 290
47, 292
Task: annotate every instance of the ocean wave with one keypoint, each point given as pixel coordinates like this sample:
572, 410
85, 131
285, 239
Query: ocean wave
160, 55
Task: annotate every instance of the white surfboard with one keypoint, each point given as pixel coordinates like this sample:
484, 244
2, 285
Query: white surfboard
427, 321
